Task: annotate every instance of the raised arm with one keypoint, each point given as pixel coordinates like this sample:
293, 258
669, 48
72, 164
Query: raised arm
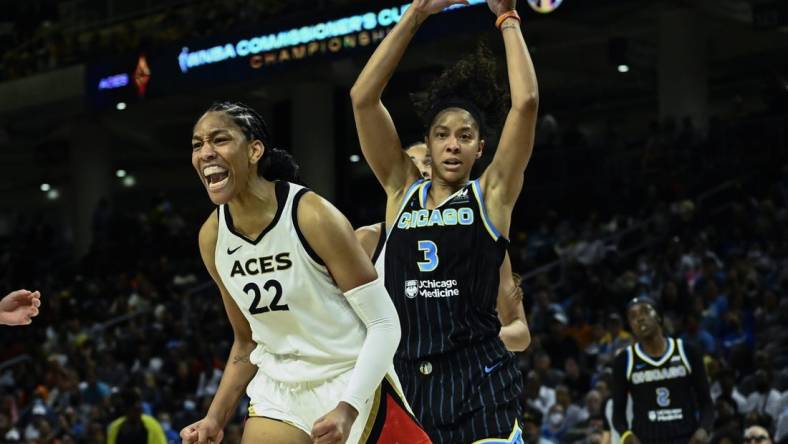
514, 333
376, 132
503, 179
239, 370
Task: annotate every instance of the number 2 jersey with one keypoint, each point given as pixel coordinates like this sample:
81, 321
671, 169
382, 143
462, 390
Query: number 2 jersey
670, 394
305, 329
442, 272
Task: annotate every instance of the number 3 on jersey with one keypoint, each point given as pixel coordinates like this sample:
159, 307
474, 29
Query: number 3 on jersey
255, 308
430, 251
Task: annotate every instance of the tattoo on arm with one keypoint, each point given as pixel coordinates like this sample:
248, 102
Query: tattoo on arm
241, 359
509, 26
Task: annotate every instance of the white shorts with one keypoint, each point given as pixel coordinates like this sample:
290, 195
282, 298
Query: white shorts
300, 405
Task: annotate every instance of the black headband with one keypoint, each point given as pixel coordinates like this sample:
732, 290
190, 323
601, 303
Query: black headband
643, 300
456, 102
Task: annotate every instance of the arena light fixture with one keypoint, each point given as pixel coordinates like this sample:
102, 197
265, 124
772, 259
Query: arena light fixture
623, 68
121, 173
129, 181
120, 106
355, 158
53, 194
45, 187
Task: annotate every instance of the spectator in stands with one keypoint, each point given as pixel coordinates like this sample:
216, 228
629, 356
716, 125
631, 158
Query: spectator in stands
134, 427
757, 435
615, 338
537, 395
697, 336
532, 424
576, 378
555, 426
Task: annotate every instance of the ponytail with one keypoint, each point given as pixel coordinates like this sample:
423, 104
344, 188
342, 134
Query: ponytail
278, 164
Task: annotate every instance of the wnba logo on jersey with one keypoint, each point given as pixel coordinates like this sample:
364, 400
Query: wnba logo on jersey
411, 289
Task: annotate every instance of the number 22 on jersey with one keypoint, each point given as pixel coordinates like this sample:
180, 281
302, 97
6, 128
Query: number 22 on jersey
253, 290
431, 259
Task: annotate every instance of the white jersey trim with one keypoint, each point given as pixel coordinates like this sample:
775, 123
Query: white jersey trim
668, 353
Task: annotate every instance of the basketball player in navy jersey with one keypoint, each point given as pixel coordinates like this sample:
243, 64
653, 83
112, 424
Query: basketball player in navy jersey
510, 308
314, 329
666, 380
448, 235
19, 307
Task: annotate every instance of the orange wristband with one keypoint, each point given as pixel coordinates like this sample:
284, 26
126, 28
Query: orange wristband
501, 18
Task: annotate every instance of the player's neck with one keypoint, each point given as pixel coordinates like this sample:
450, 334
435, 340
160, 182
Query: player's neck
440, 190
255, 207
655, 345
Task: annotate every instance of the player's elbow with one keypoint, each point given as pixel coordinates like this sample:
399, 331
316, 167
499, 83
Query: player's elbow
523, 340
244, 344
527, 104
394, 331
361, 97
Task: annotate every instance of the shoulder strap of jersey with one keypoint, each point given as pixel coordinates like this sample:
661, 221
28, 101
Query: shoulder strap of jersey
630, 361
683, 354
381, 242
477, 191
406, 198
299, 193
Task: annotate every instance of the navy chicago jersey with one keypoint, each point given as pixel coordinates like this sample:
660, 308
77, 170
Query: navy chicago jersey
442, 272
664, 407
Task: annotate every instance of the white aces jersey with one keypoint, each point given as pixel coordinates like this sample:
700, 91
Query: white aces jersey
304, 326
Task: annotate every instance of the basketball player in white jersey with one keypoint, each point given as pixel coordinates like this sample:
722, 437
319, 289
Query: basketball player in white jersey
19, 307
515, 333
315, 330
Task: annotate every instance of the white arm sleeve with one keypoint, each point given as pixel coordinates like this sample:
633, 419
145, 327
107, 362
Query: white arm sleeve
372, 304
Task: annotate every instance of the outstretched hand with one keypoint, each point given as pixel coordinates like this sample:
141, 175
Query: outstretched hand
19, 307
498, 7
429, 7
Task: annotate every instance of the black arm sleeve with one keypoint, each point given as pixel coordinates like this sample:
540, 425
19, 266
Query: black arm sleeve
701, 387
620, 392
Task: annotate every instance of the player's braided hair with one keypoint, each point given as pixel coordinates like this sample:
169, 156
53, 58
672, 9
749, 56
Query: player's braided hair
276, 164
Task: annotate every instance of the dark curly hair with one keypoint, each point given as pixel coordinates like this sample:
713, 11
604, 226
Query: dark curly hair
471, 81
276, 164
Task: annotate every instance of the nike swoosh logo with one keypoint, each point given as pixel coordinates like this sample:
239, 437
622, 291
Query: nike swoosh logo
229, 251
489, 370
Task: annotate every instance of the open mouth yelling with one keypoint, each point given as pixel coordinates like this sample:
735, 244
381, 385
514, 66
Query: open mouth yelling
216, 177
